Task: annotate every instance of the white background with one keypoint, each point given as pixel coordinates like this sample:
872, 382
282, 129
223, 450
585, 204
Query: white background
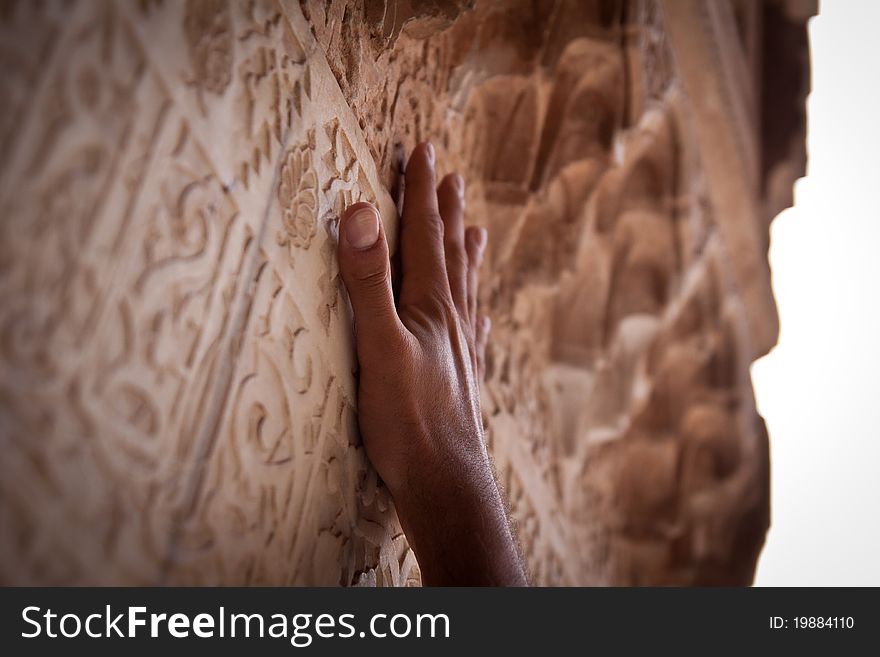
819, 389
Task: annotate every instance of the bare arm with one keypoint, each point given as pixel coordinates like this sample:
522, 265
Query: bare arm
419, 395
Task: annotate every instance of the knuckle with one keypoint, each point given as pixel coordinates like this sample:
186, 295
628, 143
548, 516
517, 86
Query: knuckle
435, 310
454, 233
473, 251
372, 279
425, 220
432, 230
445, 310
434, 223
456, 257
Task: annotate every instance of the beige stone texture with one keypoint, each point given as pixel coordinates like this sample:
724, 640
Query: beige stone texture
177, 377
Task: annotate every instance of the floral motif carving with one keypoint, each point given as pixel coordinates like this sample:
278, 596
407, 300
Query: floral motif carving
208, 29
297, 194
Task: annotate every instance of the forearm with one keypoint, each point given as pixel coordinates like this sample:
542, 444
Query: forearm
460, 533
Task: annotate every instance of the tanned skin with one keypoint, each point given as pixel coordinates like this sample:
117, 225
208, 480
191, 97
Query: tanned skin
419, 393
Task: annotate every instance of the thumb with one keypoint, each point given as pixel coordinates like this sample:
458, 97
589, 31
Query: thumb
366, 272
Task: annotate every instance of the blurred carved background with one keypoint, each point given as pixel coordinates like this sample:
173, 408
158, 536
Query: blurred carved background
177, 393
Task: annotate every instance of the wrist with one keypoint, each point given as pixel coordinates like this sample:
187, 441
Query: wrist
459, 485
458, 528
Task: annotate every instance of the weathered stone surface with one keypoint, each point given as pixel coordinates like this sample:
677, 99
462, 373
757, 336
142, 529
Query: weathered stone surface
177, 400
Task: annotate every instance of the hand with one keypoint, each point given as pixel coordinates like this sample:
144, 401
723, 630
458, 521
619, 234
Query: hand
418, 391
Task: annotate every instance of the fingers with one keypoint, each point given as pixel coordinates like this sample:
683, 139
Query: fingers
475, 242
450, 196
421, 233
484, 325
366, 272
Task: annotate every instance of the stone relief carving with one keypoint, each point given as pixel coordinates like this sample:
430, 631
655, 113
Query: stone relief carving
297, 194
177, 394
209, 41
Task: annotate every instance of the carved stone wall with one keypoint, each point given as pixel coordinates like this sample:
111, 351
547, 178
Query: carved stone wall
177, 394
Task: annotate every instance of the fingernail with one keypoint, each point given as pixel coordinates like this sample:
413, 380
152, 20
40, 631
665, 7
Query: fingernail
458, 181
429, 149
362, 228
